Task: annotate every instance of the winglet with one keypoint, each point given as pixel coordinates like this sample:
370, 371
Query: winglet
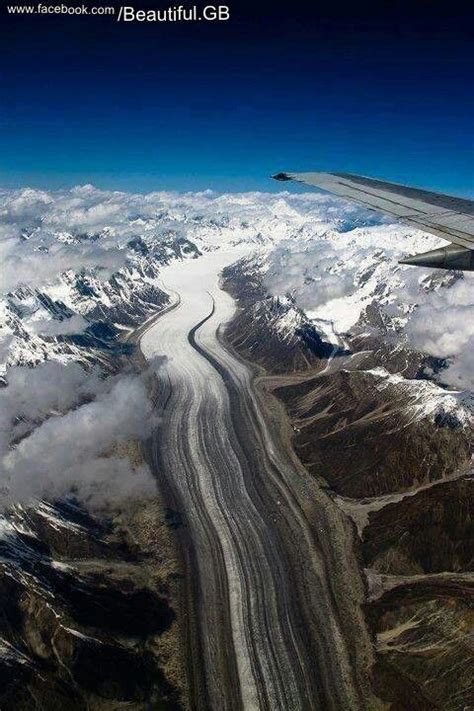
281, 176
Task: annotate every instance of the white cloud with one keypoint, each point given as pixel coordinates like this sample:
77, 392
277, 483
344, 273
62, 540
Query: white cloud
70, 450
443, 326
308, 272
54, 327
45, 233
33, 392
42, 258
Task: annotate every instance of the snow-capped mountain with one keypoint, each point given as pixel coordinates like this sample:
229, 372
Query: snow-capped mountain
350, 286
79, 315
82, 266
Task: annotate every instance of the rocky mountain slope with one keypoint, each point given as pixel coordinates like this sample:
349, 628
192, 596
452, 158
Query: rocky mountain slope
87, 603
394, 450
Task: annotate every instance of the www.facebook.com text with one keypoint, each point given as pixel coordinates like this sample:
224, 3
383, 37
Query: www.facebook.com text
128, 13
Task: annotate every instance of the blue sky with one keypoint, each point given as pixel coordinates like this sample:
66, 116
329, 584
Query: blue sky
382, 89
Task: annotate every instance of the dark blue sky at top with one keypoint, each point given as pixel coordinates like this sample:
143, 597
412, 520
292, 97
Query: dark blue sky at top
383, 89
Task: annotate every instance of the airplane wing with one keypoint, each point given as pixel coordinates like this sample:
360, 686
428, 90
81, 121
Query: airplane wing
451, 218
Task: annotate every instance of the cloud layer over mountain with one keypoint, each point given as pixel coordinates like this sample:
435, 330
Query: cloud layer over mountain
332, 256
60, 450
443, 325
45, 233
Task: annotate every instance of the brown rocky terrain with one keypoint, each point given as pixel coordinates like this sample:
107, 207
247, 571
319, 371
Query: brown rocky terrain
429, 532
89, 620
381, 446
402, 474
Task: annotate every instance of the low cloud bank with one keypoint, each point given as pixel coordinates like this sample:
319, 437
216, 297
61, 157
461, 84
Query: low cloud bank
70, 451
443, 326
55, 327
43, 234
308, 272
40, 259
